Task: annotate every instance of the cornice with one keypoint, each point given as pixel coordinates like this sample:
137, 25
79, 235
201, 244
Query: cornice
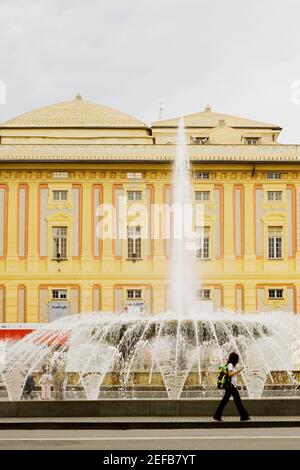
110, 176
148, 152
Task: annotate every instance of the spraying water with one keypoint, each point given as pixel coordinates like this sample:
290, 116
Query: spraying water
129, 348
182, 266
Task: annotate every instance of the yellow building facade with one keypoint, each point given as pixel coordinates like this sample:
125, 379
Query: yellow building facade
64, 166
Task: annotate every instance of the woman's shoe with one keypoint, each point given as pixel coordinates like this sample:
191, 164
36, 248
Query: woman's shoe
247, 418
216, 418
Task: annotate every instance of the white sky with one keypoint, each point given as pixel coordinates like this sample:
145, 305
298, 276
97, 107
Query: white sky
241, 57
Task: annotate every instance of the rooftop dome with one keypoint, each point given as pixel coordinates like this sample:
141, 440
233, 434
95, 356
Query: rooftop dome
76, 113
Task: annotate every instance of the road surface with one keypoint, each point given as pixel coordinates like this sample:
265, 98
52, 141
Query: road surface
155, 439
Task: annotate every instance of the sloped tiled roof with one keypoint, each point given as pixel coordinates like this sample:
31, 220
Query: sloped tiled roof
209, 118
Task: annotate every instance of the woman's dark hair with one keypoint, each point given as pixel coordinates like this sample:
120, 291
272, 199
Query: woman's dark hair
233, 359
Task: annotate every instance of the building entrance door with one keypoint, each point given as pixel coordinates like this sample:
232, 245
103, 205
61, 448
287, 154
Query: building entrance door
58, 310
135, 307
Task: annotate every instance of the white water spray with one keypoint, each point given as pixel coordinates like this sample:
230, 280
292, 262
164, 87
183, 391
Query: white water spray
182, 276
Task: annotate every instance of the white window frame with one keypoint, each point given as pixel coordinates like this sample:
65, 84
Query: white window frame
278, 294
202, 243
204, 294
202, 195
252, 140
60, 174
134, 242
274, 175
202, 175
60, 195
134, 175
134, 294
274, 196
59, 294
134, 195
275, 242
60, 242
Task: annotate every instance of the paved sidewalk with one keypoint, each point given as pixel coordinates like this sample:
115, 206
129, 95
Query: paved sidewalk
146, 422
159, 439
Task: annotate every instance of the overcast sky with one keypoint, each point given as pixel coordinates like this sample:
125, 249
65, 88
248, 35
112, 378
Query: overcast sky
241, 57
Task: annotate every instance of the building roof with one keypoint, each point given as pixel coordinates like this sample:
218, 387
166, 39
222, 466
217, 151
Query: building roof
209, 118
77, 113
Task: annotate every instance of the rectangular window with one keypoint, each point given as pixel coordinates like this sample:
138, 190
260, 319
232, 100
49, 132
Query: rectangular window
59, 294
60, 174
134, 242
275, 293
274, 195
202, 195
134, 195
274, 175
134, 176
199, 140
275, 240
202, 175
59, 238
134, 293
59, 195
203, 294
251, 140
202, 242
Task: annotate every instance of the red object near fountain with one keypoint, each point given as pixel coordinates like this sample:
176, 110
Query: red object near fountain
16, 331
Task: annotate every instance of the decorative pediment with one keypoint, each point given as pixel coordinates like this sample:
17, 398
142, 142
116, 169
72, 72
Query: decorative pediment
59, 217
275, 217
208, 218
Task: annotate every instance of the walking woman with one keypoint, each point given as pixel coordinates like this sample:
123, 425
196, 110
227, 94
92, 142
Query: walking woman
231, 390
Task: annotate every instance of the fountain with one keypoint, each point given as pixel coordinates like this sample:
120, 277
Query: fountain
182, 267
174, 353
95, 346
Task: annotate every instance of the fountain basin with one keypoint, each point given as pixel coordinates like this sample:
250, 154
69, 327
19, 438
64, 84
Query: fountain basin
266, 407
102, 351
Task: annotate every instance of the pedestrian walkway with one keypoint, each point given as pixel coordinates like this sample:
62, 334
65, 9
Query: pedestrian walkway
146, 422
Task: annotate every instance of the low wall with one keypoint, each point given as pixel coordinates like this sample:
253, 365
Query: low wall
121, 408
